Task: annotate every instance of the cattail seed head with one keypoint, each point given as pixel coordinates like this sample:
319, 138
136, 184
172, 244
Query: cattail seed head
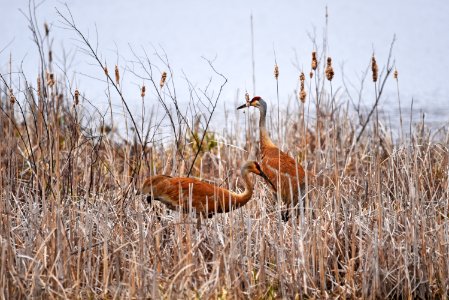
142, 91
374, 68
311, 74
163, 78
276, 71
12, 98
302, 91
314, 61
117, 75
76, 98
329, 69
302, 96
395, 74
39, 92
106, 72
50, 79
50, 56
46, 28
247, 97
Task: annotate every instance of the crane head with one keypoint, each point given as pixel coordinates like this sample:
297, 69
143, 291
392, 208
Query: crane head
254, 167
253, 102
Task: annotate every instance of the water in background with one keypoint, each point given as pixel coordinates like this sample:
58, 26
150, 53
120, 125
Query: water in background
189, 31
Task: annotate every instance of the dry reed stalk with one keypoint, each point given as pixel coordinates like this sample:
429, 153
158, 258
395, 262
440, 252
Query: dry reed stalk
395, 76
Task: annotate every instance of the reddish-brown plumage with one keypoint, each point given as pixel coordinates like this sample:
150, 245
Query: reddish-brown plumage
291, 174
256, 98
207, 199
281, 169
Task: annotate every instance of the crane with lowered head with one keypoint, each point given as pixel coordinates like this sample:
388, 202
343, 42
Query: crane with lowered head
207, 199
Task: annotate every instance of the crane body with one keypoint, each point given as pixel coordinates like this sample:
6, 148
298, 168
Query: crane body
281, 169
207, 199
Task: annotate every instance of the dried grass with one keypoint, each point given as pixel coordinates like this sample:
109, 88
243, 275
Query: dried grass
374, 223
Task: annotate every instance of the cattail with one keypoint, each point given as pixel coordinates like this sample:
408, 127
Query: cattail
314, 61
163, 78
329, 69
76, 98
117, 75
311, 74
374, 68
276, 71
106, 72
302, 92
12, 98
247, 97
105, 129
50, 79
142, 91
46, 28
302, 96
39, 92
395, 74
50, 56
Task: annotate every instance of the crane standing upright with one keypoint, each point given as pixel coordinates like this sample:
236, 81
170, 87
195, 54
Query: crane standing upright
281, 169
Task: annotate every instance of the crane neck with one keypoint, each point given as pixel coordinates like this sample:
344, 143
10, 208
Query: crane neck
249, 188
264, 136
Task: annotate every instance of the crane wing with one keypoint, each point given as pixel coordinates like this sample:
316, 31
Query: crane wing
274, 160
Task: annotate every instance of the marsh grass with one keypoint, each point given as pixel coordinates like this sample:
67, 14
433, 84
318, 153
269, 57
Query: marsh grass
374, 223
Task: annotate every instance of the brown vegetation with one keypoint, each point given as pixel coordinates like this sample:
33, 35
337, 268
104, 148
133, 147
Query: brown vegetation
72, 226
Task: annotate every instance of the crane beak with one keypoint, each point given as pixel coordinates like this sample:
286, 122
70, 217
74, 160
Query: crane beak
264, 176
243, 106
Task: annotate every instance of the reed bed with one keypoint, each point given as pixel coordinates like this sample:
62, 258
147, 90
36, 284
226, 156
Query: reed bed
374, 223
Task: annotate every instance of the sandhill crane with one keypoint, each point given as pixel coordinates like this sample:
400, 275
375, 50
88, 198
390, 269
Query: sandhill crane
274, 160
207, 199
